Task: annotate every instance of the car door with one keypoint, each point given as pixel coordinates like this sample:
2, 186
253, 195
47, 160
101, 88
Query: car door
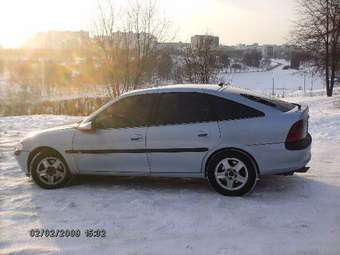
181, 133
118, 142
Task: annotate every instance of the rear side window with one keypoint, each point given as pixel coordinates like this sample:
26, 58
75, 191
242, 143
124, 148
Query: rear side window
272, 102
180, 108
229, 110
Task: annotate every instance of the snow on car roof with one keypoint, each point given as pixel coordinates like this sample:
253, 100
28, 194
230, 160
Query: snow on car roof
189, 87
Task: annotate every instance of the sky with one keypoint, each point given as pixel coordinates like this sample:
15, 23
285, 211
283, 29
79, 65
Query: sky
234, 21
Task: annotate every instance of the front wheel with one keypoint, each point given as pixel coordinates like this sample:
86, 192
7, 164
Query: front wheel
50, 171
231, 174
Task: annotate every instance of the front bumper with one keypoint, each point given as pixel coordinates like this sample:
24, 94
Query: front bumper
22, 157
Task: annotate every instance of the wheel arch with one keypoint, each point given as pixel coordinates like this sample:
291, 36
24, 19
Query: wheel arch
34, 153
233, 149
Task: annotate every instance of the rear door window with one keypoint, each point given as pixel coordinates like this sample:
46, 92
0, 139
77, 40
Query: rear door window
183, 107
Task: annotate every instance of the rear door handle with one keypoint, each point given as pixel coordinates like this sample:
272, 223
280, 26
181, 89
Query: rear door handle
136, 137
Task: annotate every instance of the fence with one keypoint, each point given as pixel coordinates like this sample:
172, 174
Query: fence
79, 106
85, 105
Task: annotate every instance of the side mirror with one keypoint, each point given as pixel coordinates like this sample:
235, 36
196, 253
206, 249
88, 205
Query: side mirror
86, 127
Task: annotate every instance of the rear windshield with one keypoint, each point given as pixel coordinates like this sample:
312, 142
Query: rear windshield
273, 102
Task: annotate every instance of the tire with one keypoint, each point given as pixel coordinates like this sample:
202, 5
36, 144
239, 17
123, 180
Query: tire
50, 171
231, 173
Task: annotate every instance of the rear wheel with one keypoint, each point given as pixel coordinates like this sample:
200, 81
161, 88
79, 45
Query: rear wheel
50, 171
231, 173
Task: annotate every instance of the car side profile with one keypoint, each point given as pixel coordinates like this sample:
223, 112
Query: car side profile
227, 135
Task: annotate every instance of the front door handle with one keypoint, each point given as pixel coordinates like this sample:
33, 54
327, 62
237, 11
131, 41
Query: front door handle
202, 134
136, 137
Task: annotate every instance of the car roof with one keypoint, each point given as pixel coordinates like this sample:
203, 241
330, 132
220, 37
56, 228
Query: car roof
226, 91
189, 88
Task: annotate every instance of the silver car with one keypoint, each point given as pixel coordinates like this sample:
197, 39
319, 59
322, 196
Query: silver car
229, 136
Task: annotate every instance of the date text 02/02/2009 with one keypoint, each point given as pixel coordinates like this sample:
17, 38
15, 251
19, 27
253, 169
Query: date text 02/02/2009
67, 233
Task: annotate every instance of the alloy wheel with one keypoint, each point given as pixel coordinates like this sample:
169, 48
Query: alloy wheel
231, 174
51, 170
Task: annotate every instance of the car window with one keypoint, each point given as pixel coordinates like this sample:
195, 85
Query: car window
180, 108
229, 110
272, 102
128, 112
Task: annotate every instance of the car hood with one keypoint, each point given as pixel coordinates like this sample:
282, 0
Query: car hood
56, 129
59, 137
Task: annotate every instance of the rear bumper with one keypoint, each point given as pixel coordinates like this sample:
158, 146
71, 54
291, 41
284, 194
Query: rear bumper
276, 159
302, 170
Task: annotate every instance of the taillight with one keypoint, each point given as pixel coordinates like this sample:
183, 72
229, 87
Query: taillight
297, 131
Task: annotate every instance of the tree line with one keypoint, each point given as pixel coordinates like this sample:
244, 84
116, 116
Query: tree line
125, 53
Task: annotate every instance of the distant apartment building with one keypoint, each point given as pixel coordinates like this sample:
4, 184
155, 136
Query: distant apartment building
173, 47
240, 46
277, 51
199, 41
128, 40
268, 51
59, 40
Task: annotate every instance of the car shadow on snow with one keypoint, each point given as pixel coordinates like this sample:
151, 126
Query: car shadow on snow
276, 185
141, 183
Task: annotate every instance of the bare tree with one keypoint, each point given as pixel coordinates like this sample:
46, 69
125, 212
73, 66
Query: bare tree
127, 40
108, 45
2, 65
252, 58
201, 63
317, 33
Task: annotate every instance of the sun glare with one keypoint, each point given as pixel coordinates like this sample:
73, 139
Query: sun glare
20, 20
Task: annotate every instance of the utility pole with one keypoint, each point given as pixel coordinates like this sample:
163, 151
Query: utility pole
312, 84
304, 83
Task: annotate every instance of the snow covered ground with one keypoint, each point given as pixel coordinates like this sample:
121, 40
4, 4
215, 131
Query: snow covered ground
289, 80
298, 214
